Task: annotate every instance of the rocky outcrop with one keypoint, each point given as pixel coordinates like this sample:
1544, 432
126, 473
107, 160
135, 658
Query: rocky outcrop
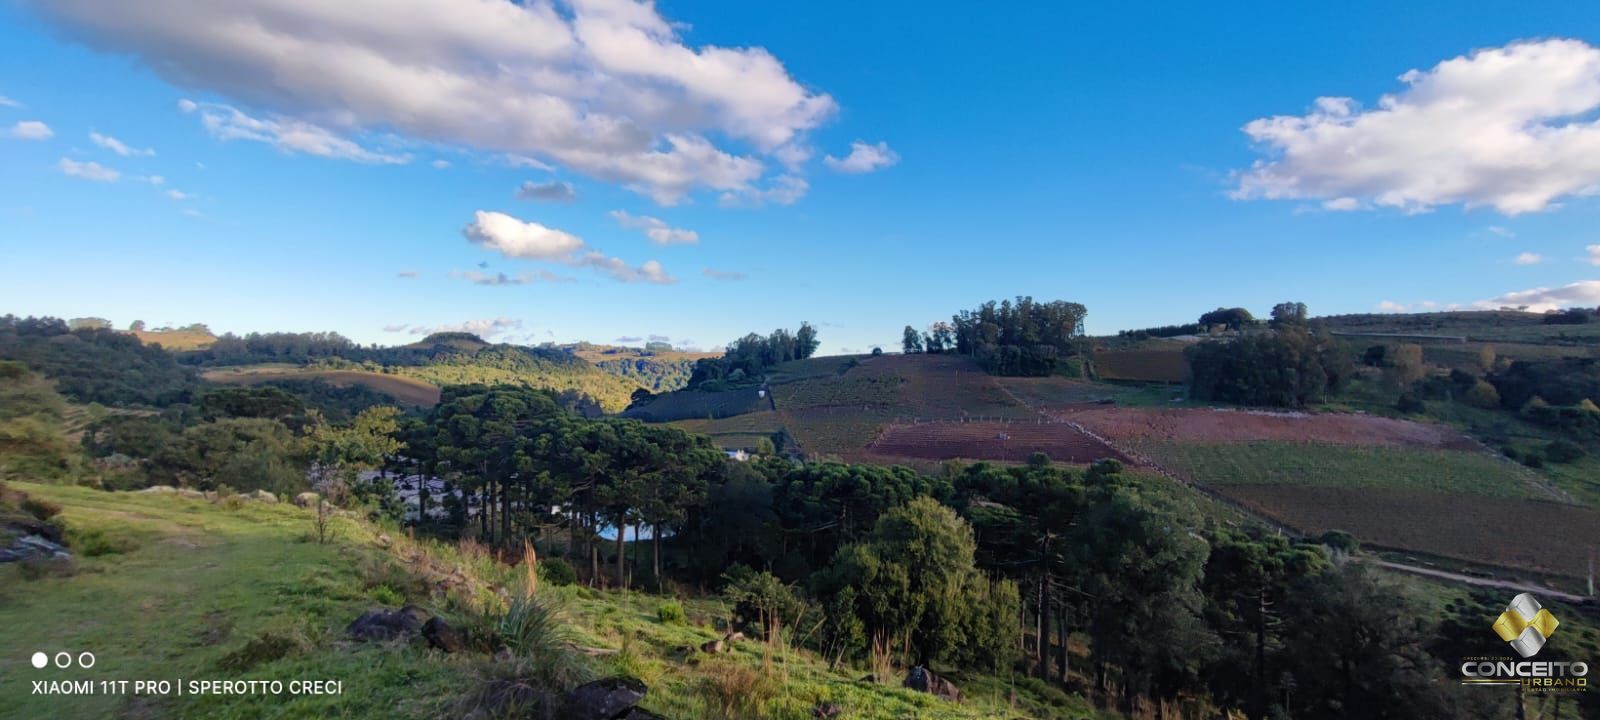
384, 625
33, 547
442, 636
609, 699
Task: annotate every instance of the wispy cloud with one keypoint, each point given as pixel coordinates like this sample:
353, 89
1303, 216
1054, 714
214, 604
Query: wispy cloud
656, 229
118, 147
525, 278
292, 136
863, 158
88, 170
553, 191
1529, 258
409, 274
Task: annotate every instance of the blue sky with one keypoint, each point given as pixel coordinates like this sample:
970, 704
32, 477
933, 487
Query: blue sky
1123, 157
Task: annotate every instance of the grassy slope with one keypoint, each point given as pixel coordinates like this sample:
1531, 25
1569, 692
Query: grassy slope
201, 579
176, 340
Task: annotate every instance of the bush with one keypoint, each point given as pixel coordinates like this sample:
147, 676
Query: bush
1562, 451
1410, 403
557, 571
1511, 452
40, 509
1482, 395
1532, 459
671, 613
388, 596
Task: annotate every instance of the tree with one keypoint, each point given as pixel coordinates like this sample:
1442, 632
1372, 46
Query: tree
1289, 314
1486, 358
1231, 318
911, 341
805, 341
1288, 368
136, 326
1405, 366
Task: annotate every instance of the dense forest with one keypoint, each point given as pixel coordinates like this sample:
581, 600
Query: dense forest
1024, 337
748, 358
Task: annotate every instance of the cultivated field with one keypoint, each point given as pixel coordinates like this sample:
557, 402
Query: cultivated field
1518, 534
1160, 363
697, 405
1006, 442
1217, 425
405, 390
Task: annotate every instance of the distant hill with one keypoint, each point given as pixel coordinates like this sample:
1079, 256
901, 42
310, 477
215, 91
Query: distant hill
655, 370
177, 339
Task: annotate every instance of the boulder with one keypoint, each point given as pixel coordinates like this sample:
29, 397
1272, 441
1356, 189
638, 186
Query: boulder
922, 679
640, 714
306, 499
160, 489
608, 699
33, 547
265, 497
722, 644
191, 494
383, 625
826, 711
440, 635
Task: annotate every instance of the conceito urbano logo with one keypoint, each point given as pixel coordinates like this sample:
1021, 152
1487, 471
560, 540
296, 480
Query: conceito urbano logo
1526, 625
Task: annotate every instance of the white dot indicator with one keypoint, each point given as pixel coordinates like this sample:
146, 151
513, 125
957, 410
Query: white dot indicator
40, 660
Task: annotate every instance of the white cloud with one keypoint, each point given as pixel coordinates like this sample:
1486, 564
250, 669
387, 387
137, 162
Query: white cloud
402, 327
481, 278
1391, 306
1594, 254
529, 240
783, 190
656, 229
514, 238
1344, 204
605, 87
486, 328
1586, 292
1529, 258
179, 195
30, 130
152, 179
722, 274
1510, 127
629, 339
8, 102
440, 164
863, 158
295, 136
117, 146
1501, 231
88, 170
553, 191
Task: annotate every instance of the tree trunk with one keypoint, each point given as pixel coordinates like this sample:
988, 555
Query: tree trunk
622, 566
1258, 700
1044, 628
655, 542
1062, 631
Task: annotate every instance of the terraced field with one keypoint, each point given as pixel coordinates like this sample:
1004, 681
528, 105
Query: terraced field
1002, 441
1151, 364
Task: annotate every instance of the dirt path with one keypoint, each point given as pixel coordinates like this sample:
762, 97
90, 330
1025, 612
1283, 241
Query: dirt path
1482, 582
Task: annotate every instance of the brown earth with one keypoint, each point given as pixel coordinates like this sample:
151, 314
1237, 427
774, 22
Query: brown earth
1006, 442
1532, 534
1205, 425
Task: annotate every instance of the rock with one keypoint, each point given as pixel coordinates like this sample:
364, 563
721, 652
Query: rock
160, 489
307, 499
922, 679
265, 497
17, 526
608, 699
33, 547
640, 714
826, 711
722, 644
440, 635
191, 494
383, 540
383, 625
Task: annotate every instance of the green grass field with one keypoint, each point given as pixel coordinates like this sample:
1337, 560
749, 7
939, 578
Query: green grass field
197, 582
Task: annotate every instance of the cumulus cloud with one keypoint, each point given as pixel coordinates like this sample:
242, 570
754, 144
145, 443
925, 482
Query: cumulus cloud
1586, 292
605, 87
529, 240
294, 136
1529, 258
863, 158
1511, 128
553, 191
722, 274
88, 170
117, 146
656, 229
525, 278
30, 130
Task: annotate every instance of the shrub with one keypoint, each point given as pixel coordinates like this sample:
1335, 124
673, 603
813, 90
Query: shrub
1511, 452
557, 571
1562, 451
671, 613
40, 509
1482, 395
388, 596
1532, 459
1410, 403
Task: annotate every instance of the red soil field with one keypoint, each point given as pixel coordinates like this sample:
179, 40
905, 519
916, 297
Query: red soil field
1204, 425
1535, 535
983, 441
